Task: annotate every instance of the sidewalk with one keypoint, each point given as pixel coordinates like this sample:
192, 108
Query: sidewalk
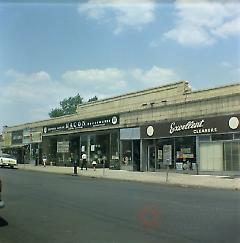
210, 181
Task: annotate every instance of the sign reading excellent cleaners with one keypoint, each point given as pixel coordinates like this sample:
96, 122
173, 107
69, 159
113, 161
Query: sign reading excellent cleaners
201, 126
80, 124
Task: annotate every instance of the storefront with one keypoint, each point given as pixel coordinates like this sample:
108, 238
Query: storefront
95, 137
130, 149
148, 130
212, 143
24, 145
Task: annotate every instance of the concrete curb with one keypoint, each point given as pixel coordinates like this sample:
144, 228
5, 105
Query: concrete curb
174, 179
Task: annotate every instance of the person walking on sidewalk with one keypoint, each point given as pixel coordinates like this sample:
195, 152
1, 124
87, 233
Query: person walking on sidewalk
44, 160
94, 164
74, 163
84, 161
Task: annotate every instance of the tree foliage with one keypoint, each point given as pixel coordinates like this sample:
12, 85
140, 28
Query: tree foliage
68, 106
93, 99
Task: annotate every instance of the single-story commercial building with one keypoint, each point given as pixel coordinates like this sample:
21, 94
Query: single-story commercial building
170, 125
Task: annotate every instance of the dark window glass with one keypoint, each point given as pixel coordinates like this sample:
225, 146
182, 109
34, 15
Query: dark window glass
127, 152
204, 138
185, 149
228, 136
237, 135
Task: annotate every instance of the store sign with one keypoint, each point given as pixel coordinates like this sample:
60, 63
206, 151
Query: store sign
31, 136
167, 154
17, 137
63, 147
36, 137
80, 124
208, 125
7, 139
26, 136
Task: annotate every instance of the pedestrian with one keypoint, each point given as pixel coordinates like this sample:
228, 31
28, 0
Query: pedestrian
94, 163
44, 160
74, 163
84, 161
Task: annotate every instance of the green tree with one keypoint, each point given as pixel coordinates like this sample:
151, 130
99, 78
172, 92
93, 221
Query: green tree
56, 112
68, 106
93, 99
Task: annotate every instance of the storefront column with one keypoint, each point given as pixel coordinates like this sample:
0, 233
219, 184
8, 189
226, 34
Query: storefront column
144, 155
197, 153
88, 148
141, 155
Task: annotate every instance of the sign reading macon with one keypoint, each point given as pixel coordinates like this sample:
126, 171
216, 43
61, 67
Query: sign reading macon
72, 125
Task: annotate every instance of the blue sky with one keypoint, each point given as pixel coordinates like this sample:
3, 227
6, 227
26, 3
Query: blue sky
51, 51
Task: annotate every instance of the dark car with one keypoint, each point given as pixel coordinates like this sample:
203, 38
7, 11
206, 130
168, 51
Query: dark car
1, 202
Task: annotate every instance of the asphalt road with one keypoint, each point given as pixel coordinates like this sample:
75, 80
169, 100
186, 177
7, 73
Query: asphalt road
43, 207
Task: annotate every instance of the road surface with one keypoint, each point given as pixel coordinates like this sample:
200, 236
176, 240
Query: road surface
44, 207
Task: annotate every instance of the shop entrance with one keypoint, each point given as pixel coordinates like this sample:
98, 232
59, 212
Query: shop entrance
130, 155
151, 158
136, 155
159, 157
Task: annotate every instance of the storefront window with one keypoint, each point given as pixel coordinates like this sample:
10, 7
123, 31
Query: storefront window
114, 158
100, 149
227, 136
94, 148
83, 142
164, 153
49, 148
74, 148
237, 136
84, 145
186, 151
232, 156
63, 153
97, 148
127, 153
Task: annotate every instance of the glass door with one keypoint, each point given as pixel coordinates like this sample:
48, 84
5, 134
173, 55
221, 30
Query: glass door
151, 158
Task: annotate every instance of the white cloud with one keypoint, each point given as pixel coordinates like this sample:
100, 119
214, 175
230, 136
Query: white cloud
92, 75
155, 76
27, 97
201, 23
113, 81
33, 77
229, 28
22, 85
101, 81
127, 13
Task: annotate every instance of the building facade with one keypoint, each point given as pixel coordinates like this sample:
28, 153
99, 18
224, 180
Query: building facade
148, 130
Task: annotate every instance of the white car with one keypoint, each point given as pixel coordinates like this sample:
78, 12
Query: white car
1, 202
7, 160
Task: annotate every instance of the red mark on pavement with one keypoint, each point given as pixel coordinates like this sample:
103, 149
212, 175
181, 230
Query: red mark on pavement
149, 216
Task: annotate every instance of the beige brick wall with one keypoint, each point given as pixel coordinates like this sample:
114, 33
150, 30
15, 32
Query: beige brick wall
208, 107
180, 102
134, 101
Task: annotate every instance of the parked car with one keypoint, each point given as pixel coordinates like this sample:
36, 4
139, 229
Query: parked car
1, 202
7, 160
